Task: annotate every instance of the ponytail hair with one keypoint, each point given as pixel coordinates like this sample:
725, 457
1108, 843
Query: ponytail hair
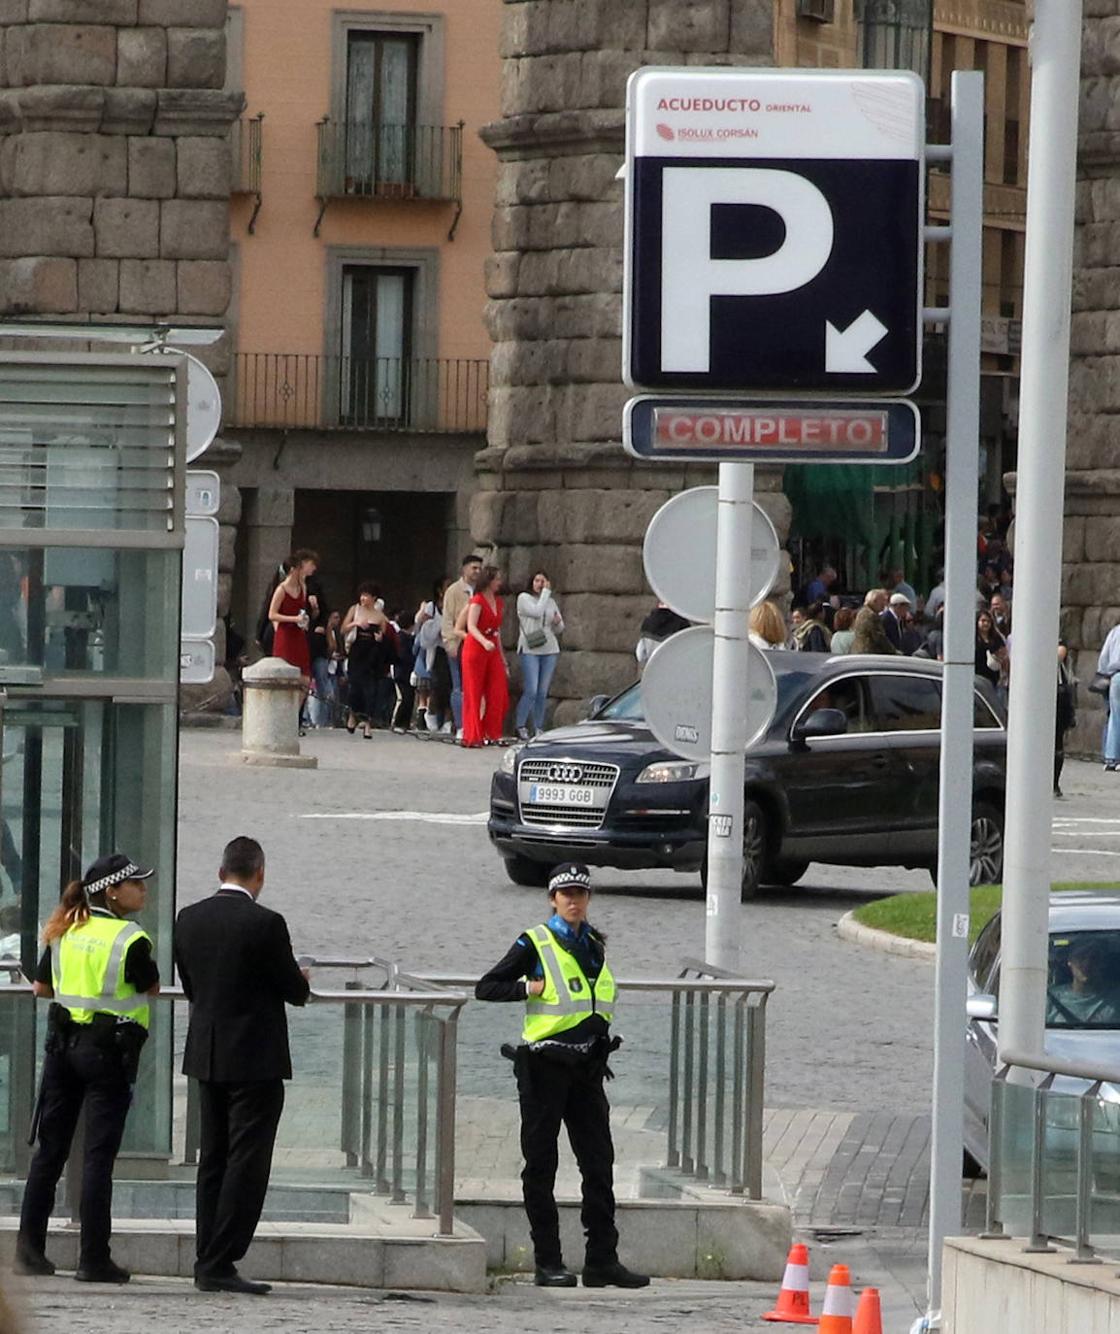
72, 910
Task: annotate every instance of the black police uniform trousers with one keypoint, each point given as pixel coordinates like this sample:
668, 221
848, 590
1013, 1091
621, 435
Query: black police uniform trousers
84, 1069
551, 1093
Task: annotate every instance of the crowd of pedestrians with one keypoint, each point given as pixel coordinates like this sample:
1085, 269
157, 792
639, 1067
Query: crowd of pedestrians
439, 670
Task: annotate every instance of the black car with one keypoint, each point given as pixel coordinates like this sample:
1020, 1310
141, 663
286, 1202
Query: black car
846, 773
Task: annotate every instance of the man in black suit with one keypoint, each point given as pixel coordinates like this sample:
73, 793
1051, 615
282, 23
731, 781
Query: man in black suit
236, 966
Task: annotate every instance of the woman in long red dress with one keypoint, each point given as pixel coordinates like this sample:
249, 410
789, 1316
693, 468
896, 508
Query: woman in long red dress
288, 612
484, 669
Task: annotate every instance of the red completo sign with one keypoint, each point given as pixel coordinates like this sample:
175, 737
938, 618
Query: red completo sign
805, 431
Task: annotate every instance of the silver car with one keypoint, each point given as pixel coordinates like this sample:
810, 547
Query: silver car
1082, 1007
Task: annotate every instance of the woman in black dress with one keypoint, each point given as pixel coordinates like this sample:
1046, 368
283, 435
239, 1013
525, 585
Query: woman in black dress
368, 658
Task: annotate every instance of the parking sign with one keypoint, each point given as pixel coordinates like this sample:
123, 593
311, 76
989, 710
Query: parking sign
774, 230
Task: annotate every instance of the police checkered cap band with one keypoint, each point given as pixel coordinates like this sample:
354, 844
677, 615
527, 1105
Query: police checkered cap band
123, 869
571, 873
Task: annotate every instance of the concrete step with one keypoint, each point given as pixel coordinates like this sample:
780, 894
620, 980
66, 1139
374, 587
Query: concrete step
382, 1247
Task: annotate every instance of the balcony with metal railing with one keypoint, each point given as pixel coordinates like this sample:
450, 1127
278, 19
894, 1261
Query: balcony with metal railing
298, 391
246, 144
367, 160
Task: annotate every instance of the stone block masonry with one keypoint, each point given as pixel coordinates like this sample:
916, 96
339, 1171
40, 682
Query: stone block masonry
556, 489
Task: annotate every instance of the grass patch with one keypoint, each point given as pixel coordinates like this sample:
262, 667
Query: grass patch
914, 916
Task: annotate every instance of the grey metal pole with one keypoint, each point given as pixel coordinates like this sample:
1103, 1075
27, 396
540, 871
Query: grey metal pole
1044, 387
729, 715
955, 796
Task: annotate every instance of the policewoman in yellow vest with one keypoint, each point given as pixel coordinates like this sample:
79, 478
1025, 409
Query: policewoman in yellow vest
559, 970
99, 970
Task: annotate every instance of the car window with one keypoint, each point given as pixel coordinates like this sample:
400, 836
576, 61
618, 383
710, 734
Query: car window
984, 953
905, 703
982, 715
626, 707
849, 695
1083, 985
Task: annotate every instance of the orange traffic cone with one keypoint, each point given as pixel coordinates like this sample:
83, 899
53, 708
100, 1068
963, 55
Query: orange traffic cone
792, 1306
869, 1317
839, 1305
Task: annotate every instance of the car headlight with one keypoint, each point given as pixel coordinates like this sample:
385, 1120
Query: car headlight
509, 759
674, 771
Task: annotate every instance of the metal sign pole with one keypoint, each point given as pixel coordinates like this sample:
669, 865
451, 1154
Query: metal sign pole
955, 796
729, 715
1047, 283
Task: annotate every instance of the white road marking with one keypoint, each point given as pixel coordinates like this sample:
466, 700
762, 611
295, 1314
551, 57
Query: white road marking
421, 817
1086, 852
1084, 819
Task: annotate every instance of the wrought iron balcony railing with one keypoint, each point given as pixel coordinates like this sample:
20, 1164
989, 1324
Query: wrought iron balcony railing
296, 391
246, 143
368, 160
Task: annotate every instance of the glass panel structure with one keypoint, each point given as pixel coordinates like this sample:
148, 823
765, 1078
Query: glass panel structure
91, 535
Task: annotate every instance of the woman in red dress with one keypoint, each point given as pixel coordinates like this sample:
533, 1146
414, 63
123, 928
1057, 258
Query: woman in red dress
288, 612
484, 668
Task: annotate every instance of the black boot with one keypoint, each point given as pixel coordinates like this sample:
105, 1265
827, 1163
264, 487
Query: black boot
101, 1271
554, 1276
614, 1275
31, 1260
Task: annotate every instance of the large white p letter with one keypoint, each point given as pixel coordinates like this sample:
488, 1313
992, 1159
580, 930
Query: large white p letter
689, 275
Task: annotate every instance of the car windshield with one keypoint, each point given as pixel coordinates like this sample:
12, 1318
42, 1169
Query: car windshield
1083, 989
627, 707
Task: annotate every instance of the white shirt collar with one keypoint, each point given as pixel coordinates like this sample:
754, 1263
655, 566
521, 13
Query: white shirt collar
239, 888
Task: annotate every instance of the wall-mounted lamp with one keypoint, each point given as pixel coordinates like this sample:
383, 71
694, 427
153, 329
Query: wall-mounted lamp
371, 526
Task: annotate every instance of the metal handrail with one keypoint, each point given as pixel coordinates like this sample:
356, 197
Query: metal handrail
372, 1099
717, 1020
306, 391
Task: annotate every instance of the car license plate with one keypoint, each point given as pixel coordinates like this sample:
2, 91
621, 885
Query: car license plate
563, 794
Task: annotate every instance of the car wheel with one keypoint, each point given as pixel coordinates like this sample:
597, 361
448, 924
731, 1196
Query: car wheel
522, 871
754, 851
985, 851
784, 871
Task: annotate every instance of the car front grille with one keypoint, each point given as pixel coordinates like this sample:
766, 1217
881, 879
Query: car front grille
595, 775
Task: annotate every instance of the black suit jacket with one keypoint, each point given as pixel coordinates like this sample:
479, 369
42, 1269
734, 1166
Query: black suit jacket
893, 626
236, 965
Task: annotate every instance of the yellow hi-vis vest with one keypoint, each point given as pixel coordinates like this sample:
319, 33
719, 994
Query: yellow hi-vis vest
87, 967
569, 997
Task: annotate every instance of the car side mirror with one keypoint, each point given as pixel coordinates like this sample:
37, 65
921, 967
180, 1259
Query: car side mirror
821, 722
983, 1006
594, 704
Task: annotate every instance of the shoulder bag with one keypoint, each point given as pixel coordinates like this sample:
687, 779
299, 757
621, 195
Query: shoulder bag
1100, 684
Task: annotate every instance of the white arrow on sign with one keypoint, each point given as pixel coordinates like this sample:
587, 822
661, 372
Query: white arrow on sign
845, 350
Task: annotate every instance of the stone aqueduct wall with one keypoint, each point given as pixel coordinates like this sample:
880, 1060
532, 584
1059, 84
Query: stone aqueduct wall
556, 488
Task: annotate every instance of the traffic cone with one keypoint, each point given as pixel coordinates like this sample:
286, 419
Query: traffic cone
839, 1305
792, 1306
869, 1317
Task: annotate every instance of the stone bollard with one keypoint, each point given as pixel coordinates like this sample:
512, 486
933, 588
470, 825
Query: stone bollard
270, 720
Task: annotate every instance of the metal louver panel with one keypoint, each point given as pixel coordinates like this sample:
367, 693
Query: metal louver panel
88, 443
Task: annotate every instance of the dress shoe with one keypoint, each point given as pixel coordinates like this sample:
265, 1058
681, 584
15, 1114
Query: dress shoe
230, 1283
107, 1271
613, 1276
554, 1276
30, 1261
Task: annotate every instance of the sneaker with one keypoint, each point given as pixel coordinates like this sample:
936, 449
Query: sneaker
613, 1276
399, 731
430, 721
459, 736
445, 730
523, 734
1109, 767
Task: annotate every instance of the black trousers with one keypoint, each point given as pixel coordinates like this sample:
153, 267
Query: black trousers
82, 1072
406, 706
551, 1094
238, 1132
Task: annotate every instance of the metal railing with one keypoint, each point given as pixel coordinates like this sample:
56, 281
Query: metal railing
1054, 1170
246, 142
368, 160
715, 1080
396, 1112
299, 391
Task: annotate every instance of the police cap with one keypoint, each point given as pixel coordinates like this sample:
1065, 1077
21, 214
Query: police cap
569, 875
112, 869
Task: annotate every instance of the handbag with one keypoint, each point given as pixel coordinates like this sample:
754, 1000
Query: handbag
535, 639
1100, 684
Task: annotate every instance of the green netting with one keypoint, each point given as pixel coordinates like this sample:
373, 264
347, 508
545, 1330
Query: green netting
835, 501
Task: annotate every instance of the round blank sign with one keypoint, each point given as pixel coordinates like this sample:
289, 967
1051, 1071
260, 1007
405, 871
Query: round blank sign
677, 693
204, 408
680, 553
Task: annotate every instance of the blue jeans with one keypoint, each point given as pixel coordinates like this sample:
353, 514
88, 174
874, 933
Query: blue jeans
456, 688
1112, 732
536, 677
326, 692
